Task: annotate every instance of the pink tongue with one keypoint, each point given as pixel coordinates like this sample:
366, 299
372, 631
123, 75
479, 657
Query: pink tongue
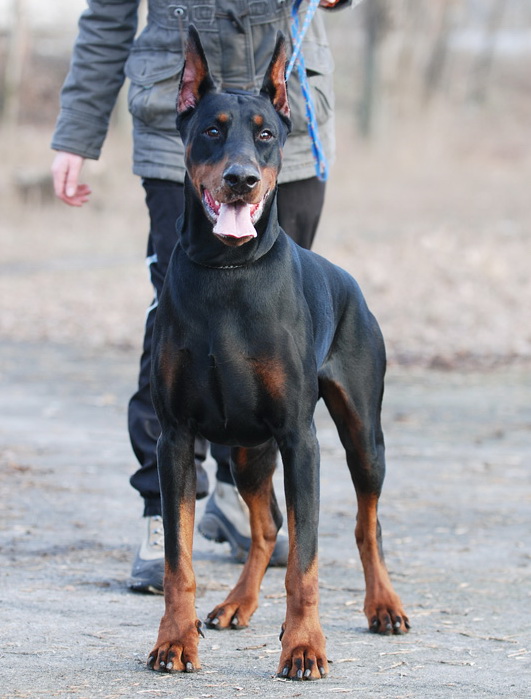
234, 220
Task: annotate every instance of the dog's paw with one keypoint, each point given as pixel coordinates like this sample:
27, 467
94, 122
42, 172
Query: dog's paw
303, 663
303, 659
387, 618
178, 654
230, 615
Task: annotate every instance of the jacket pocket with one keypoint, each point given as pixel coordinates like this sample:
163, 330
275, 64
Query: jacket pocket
319, 65
154, 77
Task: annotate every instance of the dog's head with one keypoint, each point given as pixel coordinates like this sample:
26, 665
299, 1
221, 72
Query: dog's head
233, 142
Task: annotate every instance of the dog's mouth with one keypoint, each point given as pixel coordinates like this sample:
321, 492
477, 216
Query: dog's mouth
233, 221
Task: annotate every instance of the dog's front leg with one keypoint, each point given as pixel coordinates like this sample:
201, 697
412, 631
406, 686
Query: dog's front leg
303, 654
253, 472
176, 646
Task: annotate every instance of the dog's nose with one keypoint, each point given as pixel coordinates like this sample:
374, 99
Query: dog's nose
241, 178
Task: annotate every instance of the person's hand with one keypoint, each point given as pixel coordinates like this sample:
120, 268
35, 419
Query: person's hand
66, 169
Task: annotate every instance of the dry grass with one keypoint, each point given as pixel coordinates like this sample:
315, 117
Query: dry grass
435, 223
433, 219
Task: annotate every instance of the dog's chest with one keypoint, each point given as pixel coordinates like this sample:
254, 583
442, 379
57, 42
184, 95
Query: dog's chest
240, 347
237, 393
245, 366
238, 376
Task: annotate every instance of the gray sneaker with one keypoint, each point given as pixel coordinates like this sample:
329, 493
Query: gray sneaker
148, 568
226, 518
201, 487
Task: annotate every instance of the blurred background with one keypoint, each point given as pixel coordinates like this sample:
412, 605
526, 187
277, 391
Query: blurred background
428, 203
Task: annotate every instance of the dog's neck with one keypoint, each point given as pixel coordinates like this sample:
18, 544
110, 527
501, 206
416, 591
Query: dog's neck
201, 245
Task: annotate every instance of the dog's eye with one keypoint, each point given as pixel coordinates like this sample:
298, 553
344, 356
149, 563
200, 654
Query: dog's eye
212, 132
265, 135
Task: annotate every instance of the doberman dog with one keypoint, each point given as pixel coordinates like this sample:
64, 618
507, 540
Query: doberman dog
251, 331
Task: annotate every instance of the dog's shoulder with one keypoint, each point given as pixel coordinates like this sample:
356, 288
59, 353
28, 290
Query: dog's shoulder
317, 271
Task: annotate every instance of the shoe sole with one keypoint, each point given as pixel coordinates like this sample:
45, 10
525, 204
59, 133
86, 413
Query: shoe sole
147, 576
213, 527
145, 588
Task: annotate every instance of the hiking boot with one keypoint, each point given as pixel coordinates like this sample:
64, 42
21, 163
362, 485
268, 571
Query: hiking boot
226, 518
148, 568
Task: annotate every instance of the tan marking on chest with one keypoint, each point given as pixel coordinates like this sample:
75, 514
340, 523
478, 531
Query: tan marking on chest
272, 376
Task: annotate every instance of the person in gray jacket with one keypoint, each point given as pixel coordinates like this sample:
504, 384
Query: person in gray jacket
238, 37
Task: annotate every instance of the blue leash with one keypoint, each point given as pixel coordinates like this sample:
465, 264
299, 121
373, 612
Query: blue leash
321, 164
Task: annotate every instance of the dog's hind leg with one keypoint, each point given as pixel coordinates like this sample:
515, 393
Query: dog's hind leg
354, 401
177, 642
253, 470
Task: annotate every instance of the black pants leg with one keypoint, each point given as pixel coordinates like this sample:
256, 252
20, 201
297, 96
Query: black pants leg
299, 207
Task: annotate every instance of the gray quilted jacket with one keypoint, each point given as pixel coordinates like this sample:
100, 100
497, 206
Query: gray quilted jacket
238, 37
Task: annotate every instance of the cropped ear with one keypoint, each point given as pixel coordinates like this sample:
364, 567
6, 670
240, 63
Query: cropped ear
196, 80
274, 85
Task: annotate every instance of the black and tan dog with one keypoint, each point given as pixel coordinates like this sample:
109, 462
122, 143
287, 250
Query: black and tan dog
251, 331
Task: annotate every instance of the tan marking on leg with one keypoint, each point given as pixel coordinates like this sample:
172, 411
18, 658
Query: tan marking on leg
303, 653
176, 649
339, 404
383, 607
236, 611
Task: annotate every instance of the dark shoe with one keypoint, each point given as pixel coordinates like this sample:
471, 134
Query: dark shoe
226, 518
148, 568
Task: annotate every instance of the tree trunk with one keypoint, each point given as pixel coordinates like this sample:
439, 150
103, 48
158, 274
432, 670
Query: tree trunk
375, 25
434, 73
485, 61
14, 67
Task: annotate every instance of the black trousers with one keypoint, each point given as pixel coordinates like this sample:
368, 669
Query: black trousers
299, 208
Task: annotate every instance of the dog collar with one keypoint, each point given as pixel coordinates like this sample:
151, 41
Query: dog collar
202, 264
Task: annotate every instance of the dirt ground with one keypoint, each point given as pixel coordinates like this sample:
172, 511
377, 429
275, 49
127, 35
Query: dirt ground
434, 219
455, 516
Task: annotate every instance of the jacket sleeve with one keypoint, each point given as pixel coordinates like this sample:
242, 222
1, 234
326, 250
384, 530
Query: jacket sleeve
106, 31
